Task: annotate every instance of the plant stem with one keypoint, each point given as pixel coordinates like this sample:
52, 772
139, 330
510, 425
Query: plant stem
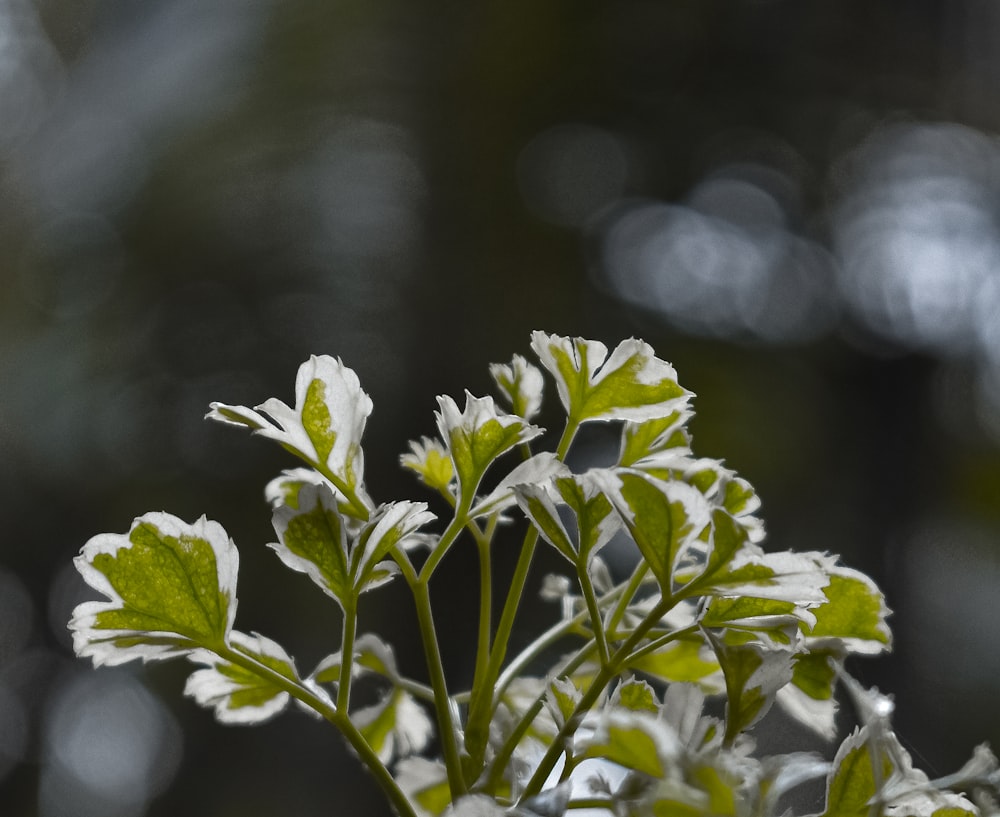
447, 727
499, 761
593, 692
347, 657
335, 716
596, 624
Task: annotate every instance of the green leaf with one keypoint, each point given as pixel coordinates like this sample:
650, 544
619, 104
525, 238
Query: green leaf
664, 518
324, 428
171, 587
522, 384
854, 612
478, 435
631, 384
312, 539
809, 697
239, 695
536, 470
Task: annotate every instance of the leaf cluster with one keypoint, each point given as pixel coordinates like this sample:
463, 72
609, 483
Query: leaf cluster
621, 718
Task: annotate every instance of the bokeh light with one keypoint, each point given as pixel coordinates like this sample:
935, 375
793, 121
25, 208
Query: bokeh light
110, 746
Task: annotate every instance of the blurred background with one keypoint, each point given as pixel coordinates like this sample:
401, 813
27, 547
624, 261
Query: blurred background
797, 202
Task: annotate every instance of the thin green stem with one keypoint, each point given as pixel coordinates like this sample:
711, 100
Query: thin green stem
447, 727
662, 641
458, 522
593, 692
596, 624
634, 583
350, 631
335, 716
500, 760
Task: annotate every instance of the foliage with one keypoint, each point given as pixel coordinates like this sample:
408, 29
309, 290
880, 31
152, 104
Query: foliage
622, 721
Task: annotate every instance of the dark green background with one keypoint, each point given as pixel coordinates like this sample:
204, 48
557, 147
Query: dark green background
201, 194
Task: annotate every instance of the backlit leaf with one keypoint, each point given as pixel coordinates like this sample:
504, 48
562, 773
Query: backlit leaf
522, 384
239, 695
324, 428
313, 539
476, 436
171, 587
630, 384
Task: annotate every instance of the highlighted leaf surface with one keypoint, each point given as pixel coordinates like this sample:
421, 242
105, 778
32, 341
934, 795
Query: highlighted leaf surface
171, 588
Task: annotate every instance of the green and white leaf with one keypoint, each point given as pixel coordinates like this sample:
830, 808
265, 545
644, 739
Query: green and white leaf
395, 727
562, 696
809, 698
476, 436
853, 613
858, 775
664, 518
537, 502
537, 469
239, 695
430, 461
630, 384
284, 489
313, 539
425, 784
799, 578
647, 441
170, 588
754, 672
324, 428
687, 660
522, 384
393, 525
637, 741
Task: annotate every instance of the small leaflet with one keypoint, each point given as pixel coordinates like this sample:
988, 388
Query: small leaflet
664, 518
476, 436
535, 470
799, 578
854, 612
647, 441
522, 384
324, 428
393, 525
630, 384
636, 696
425, 784
562, 696
313, 539
238, 695
395, 727
429, 460
596, 523
754, 673
855, 779
171, 588
636, 740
